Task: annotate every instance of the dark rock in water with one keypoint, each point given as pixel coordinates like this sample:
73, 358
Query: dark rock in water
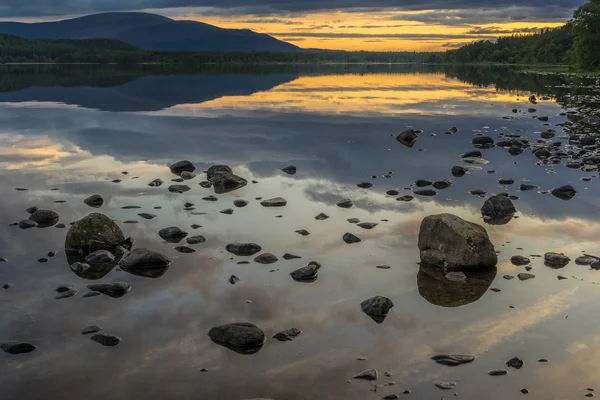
60, 226
184, 249
42, 260
91, 294
515, 362
79, 267
21, 189
224, 180
509, 277
458, 171
51, 253
31, 210
497, 372
63, 288
274, 202
17, 347
99, 257
506, 181
353, 220
179, 188
266, 258
227, 211
65, 295
8, 285
368, 375
240, 203
368, 225
346, 203
182, 166
27, 224
350, 238
478, 192
322, 217
365, 185
146, 263
186, 175
147, 216
156, 183
515, 151
243, 249
287, 335
440, 185
196, 239
472, 154
303, 232
524, 276
483, 142
290, 170
44, 218
452, 360
585, 260
392, 396
241, 336
425, 192
556, 259
95, 201
212, 197
524, 187
288, 256
206, 184
233, 279
130, 207
377, 308
423, 183
566, 192
392, 192
115, 289
90, 329
106, 339
408, 138
308, 273
450, 242
519, 260
405, 198
498, 206
172, 234
178, 180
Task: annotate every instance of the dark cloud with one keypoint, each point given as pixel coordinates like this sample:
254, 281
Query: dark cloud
405, 36
271, 21
551, 8
479, 30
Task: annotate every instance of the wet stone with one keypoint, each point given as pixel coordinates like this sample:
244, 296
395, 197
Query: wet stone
186, 175
172, 234
79, 267
425, 192
274, 202
91, 329
368, 225
524, 276
184, 249
182, 166
290, 170
240, 203
368, 375
303, 232
233, 279
346, 203
566, 192
519, 260
115, 289
441, 185
350, 238
65, 295
556, 259
445, 385
288, 256
31, 210
228, 211
27, 224
17, 347
497, 372
515, 362
423, 183
99, 257
91, 294
196, 239
8, 285
287, 335
94, 201
408, 138
266, 258
377, 308
308, 273
44, 218
322, 217
147, 216
243, 249
365, 185
405, 198
453, 360
179, 188
106, 339
241, 335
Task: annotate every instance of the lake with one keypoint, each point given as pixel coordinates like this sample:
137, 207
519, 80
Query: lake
69, 132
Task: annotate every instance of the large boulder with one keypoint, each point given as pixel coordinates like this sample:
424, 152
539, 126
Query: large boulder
498, 206
450, 242
224, 180
94, 232
182, 166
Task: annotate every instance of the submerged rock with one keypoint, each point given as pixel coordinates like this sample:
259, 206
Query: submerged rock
115, 289
27, 224
441, 185
288, 256
405, 198
44, 218
423, 183
408, 138
377, 308
17, 347
95, 201
453, 360
287, 335
448, 241
322, 217
241, 336
172, 234
308, 273
243, 249
106, 339
274, 202
303, 232
91, 329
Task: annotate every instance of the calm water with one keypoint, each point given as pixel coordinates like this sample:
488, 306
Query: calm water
78, 129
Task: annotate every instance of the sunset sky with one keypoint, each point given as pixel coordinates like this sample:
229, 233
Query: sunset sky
389, 25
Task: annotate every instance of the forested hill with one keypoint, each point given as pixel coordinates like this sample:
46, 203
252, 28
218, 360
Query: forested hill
577, 43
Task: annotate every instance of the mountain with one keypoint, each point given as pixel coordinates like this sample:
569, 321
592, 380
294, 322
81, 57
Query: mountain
150, 32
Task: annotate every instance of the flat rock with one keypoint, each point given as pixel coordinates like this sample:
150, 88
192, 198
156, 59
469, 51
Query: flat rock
405, 198
179, 188
303, 232
566, 192
274, 202
144, 259
17, 347
115, 289
322, 217
90, 329
287, 335
288, 256
65, 295
172, 234
453, 360
365, 185
266, 258
446, 385
186, 175
425, 192
368, 225
243, 249
443, 184
408, 138
524, 276
223, 180
242, 335
497, 372
106, 339
147, 216
196, 239
368, 375
290, 170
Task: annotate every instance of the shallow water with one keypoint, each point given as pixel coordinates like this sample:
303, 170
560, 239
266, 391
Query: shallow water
77, 130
